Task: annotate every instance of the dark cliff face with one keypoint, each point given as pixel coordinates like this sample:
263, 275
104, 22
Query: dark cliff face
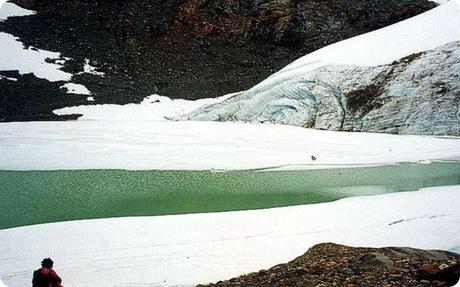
186, 48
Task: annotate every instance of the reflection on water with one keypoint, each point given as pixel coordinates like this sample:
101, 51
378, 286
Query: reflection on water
31, 197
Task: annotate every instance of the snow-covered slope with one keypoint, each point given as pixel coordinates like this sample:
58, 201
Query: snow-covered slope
341, 87
190, 249
440, 1
424, 32
203, 146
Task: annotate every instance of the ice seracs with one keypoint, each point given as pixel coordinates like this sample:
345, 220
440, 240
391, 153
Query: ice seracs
418, 94
384, 81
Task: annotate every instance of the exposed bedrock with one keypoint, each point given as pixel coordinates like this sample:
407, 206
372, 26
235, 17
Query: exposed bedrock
419, 94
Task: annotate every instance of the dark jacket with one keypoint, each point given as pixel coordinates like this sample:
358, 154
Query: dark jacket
46, 277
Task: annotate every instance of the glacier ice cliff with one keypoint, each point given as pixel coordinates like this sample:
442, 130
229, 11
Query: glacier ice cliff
418, 94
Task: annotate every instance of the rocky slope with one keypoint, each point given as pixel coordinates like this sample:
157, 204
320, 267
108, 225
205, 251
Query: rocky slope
336, 265
419, 94
180, 48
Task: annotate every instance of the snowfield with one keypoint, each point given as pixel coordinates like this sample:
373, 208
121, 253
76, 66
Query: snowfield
140, 145
189, 249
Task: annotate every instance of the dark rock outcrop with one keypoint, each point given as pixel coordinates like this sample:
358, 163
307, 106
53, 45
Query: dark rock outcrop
31, 98
189, 48
336, 265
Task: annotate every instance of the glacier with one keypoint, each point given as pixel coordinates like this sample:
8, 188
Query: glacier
419, 94
365, 83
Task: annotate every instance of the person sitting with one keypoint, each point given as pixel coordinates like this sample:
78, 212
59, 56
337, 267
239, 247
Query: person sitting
46, 276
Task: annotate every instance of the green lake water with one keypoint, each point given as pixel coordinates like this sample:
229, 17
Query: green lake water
32, 197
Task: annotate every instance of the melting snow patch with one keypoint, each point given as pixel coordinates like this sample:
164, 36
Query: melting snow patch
75, 89
13, 56
90, 99
9, 9
87, 68
154, 107
7, 78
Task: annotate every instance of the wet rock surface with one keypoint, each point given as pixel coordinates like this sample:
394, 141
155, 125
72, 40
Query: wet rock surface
336, 265
419, 94
184, 48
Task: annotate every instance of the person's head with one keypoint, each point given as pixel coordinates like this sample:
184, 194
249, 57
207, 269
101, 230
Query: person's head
47, 263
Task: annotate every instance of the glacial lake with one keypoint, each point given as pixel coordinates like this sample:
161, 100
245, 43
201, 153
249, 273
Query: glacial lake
33, 197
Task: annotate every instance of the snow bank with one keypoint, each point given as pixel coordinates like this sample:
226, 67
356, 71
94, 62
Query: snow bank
191, 249
154, 107
203, 146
